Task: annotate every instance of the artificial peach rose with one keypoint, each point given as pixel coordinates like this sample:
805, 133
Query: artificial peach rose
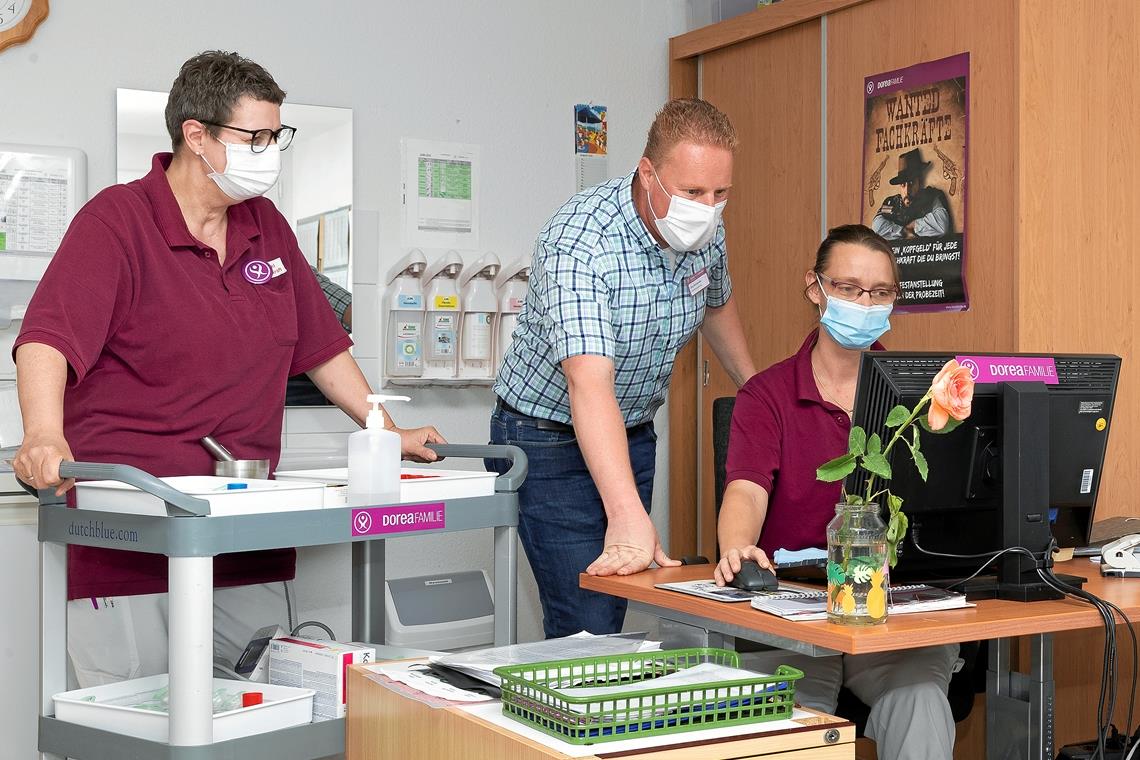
952, 395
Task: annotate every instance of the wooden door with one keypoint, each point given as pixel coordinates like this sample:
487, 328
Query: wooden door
769, 87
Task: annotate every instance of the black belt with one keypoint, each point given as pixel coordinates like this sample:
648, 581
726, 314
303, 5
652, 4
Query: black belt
560, 427
539, 422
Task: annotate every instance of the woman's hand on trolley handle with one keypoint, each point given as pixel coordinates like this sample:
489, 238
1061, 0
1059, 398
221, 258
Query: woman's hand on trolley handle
413, 443
37, 461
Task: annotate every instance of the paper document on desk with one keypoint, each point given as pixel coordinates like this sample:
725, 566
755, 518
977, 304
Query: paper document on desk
812, 605
411, 674
699, 675
709, 590
481, 663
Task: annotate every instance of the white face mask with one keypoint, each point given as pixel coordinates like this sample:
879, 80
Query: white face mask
688, 224
247, 174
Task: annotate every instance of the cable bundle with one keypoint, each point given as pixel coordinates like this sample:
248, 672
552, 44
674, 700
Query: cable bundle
1109, 676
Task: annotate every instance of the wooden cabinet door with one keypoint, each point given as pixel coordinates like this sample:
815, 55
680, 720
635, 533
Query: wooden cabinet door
769, 87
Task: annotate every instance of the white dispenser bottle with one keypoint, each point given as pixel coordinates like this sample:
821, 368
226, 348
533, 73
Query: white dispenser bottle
480, 312
511, 285
374, 460
404, 351
442, 303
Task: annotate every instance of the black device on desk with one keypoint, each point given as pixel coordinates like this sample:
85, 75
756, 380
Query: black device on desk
752, 577
803, 570
1025, 467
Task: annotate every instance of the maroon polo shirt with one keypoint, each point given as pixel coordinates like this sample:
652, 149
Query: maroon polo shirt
165, 346
782, 430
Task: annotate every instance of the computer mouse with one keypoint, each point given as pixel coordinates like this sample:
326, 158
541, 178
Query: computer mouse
752, 577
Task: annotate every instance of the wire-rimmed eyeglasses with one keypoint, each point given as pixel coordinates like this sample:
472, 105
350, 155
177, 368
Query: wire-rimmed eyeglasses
849, 291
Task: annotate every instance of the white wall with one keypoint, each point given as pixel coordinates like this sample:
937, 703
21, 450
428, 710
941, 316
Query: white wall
503, 75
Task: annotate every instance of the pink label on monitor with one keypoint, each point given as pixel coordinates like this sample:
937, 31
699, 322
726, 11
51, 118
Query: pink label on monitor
1010, 369
406, 518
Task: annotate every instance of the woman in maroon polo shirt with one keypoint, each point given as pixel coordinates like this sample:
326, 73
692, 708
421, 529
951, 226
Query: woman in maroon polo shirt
176, 307
786, 421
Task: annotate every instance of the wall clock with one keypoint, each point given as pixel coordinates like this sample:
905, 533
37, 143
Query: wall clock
19, 19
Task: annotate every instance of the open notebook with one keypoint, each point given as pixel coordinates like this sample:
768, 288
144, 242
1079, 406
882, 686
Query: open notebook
812, 604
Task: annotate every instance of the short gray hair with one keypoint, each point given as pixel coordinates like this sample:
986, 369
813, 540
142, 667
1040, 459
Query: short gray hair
208, 87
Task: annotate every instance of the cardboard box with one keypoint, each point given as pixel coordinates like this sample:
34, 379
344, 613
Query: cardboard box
320, 665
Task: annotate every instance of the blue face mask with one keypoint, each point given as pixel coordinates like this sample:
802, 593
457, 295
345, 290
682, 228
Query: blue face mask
854, 325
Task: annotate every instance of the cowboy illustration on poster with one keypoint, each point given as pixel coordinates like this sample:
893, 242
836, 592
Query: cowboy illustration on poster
914, 182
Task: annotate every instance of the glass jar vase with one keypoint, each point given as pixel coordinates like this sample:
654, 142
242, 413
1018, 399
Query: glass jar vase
857, 571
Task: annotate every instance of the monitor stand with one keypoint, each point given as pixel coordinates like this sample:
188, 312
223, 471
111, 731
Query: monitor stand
1025, 491
987, 587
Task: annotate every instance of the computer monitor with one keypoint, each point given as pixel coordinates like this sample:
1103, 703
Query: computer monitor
1024, 468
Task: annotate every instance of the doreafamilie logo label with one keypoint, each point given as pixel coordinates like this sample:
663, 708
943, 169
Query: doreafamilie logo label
371, 521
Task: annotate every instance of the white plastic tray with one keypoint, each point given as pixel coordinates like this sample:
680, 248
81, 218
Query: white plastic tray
439, 484
257, 496
283, 706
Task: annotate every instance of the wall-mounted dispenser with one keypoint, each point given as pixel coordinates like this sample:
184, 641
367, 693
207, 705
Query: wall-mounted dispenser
511, 285
404, 351
480, 313
441, 300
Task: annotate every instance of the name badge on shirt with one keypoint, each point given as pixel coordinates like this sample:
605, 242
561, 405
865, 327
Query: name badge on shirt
277, 267
697, 281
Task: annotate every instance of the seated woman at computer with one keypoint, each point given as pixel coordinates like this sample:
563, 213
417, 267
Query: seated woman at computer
788, 420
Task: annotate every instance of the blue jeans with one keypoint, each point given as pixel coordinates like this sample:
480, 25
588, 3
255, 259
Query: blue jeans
562, 522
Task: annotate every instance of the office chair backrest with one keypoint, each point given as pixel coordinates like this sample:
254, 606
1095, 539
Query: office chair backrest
721, 422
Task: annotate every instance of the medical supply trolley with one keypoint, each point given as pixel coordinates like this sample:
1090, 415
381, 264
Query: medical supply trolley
190, 537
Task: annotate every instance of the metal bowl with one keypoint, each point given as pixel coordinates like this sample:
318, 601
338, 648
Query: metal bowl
252, 469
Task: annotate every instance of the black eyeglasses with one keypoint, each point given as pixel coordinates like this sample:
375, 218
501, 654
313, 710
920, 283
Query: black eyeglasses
260, 139
849, 291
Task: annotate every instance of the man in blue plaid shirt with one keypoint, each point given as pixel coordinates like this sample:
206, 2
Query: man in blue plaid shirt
622, 277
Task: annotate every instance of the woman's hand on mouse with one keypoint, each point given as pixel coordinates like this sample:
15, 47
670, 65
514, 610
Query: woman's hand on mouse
729, 564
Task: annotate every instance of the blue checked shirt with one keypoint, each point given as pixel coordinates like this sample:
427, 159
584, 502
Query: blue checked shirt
600, 285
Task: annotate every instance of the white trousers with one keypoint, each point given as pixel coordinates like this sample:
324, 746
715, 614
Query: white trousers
906, 690
114, 638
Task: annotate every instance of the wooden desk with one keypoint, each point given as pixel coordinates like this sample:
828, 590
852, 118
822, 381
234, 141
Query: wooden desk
383, 725
1012, 698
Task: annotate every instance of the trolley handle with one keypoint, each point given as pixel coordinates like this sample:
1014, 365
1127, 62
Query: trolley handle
509, 482
178, 504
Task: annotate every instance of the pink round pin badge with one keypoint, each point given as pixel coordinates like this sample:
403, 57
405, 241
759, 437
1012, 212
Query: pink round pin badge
257, 272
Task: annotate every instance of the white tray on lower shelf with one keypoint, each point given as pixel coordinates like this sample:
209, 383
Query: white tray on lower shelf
283, 706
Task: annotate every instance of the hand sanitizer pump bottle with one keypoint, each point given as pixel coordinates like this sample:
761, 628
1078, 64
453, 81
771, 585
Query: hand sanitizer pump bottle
374, 460
511, 285
404, 350
480, 310
442, 296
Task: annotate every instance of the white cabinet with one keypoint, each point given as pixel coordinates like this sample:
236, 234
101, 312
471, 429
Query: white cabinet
19, 620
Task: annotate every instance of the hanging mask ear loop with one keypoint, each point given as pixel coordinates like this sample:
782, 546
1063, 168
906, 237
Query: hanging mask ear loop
202, 155
649, 198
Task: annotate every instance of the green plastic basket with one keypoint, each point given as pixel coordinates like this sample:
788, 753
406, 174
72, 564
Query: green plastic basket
533, 694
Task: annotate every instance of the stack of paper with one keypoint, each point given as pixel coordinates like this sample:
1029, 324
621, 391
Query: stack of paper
812, 605
482, 662
698, 676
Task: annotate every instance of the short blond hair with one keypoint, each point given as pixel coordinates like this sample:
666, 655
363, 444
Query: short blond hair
688, 120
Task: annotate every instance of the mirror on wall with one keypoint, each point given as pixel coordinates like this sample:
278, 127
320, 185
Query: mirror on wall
314, 192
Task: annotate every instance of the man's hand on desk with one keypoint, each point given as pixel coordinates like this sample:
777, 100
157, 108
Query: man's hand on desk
729, 564
631, 545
